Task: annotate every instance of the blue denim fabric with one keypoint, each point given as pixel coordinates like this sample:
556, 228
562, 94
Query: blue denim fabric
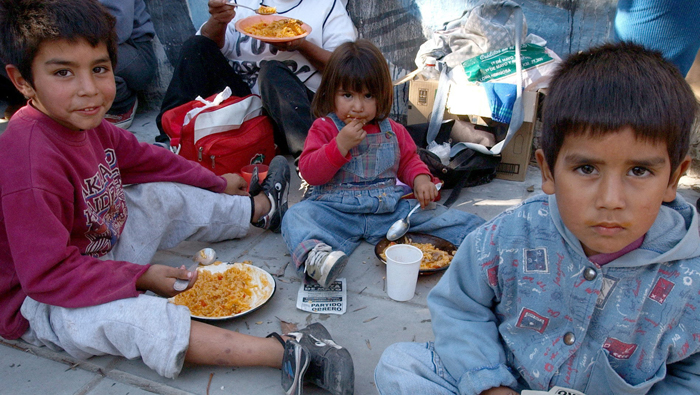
668, 26
413, 368
342, 213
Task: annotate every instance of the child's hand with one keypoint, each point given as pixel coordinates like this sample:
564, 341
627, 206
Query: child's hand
235, 184
350, 136
159, 279
424, 190
500, 391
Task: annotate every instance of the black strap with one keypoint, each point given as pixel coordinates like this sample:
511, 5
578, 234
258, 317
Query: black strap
276, 336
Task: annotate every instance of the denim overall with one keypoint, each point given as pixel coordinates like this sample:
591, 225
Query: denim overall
362, 201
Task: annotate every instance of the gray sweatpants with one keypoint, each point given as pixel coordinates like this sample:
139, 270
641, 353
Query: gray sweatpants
161, 215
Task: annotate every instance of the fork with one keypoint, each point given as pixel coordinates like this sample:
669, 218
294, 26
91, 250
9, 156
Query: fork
232, 3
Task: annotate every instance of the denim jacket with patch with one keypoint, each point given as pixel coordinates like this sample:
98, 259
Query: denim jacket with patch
522, 306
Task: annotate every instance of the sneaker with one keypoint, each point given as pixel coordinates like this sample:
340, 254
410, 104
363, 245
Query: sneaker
295, 361
331, 366
324, 265
123, 120
276, 187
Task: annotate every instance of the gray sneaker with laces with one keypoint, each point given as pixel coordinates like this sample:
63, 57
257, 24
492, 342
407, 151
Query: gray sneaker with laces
324, 265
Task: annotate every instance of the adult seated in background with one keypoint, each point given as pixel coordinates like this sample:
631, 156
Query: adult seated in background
136, 59
286, 75
668, 26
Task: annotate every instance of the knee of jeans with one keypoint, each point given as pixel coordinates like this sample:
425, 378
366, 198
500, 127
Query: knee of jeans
268, 68
389, 367
196, 41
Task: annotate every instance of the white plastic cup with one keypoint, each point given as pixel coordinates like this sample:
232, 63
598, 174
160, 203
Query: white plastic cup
402, 267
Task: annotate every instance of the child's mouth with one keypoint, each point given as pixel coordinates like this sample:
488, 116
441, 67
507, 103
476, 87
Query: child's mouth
608, 229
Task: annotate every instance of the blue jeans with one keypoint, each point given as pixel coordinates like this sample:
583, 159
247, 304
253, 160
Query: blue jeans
343, 226
668, 26
413, 368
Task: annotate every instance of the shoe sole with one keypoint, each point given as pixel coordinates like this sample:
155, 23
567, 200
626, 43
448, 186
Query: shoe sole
335, 270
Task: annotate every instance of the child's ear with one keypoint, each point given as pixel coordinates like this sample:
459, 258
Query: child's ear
547, 174
675, 178
19, 82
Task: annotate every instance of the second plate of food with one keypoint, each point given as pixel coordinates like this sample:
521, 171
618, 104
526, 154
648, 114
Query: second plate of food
437, 252
273, 28
227, 290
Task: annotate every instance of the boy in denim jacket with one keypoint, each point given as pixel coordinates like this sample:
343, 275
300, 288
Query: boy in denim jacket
595, 286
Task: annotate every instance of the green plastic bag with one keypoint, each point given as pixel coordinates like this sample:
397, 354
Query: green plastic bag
500, 63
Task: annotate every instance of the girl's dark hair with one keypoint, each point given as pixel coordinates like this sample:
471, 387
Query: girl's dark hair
26, 24
355, 66
613, 86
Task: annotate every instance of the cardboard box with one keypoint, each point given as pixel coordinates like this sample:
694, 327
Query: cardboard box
421, 97
470, 101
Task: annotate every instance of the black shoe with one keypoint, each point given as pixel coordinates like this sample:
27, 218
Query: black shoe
295, 362
276, 188
331, 366
697, 204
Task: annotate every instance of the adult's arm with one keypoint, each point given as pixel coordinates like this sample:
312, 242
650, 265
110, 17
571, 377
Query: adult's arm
220, 15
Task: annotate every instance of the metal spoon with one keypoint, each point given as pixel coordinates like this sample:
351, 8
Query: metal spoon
204, 257
255, 10
400, 227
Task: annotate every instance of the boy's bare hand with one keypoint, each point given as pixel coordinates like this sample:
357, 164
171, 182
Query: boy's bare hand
424, 190
235, 184
500, 391
159, 279
221, 12
350, 136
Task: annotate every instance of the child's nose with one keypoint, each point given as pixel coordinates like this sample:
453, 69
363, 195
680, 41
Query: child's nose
611, 194
357, 105
88, 86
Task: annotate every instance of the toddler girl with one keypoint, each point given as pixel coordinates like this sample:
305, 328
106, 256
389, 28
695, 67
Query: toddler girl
352, 157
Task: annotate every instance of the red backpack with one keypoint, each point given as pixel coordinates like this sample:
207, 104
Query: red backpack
223, 133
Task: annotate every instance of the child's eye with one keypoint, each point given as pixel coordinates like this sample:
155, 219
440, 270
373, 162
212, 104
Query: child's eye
368, 96
62, 73
347, 95
100, 69
586, 169
639, 171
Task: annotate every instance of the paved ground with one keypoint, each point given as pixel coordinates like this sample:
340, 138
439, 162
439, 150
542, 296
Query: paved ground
371, 323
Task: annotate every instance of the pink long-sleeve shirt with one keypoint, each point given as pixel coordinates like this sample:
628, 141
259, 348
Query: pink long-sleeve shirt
321, 159
62, 206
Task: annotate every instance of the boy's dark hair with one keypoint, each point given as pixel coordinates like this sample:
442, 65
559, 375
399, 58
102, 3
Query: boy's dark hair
355, 66
612, 86
26, 24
